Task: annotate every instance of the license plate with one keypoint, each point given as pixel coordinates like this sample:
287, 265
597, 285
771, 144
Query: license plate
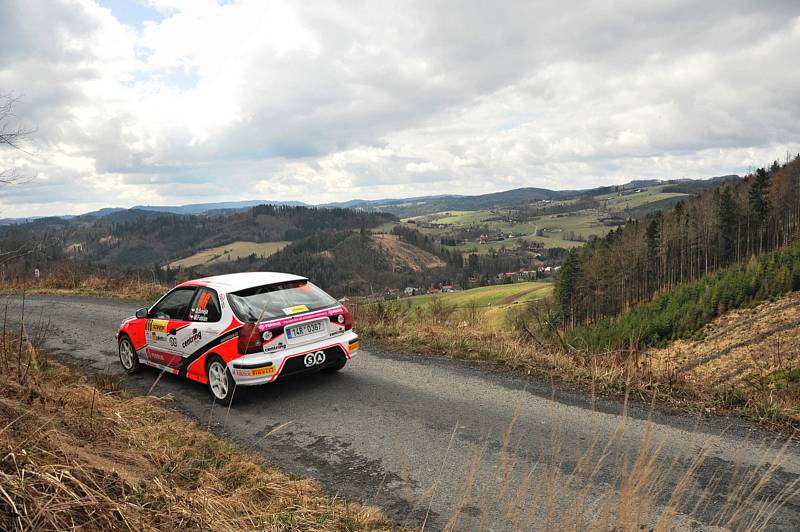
262, 371
305, 329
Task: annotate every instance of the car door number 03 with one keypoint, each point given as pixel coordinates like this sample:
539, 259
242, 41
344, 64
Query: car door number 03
314, 359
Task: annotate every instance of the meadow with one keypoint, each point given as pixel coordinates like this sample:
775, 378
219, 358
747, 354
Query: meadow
233, 251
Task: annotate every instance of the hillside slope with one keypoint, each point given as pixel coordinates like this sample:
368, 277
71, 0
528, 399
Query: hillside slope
746, 358
404, 255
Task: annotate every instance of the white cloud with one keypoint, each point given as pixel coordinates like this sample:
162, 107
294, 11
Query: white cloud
328, 101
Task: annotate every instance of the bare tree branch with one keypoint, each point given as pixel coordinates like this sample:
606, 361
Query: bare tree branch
11, 136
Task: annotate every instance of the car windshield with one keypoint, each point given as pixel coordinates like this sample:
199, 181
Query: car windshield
278, 301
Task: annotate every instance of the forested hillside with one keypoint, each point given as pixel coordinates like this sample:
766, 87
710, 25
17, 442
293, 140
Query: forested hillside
682, 312
718, 228
136, 240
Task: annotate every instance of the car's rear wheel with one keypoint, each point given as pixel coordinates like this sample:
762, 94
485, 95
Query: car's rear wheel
127, 355
220, 380
335, 367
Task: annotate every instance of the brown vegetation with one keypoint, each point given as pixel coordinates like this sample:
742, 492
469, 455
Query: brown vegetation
747, 360
67, 280
81, 455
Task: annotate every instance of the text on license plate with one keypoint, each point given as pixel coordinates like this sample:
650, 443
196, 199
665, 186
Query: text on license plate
304, 330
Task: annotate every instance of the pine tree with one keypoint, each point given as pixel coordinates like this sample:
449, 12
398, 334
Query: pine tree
567, 288
728, 222
759, 203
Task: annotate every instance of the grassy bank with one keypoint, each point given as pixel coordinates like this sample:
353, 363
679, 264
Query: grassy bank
771, 397
83, 454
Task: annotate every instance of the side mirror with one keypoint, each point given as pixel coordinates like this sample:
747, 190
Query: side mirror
142, 312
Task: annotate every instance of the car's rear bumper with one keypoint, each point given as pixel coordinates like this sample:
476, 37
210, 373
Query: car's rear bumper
262, 368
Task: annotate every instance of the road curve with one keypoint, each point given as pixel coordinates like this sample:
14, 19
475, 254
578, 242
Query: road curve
420, 436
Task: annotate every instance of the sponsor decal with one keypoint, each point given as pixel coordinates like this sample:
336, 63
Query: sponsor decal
255, 372
194, 337
274, 324
295, 309
314, 359
274, 347
161, 357
156, 325
354, 346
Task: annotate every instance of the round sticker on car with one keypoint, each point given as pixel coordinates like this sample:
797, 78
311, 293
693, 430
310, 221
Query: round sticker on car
314, 359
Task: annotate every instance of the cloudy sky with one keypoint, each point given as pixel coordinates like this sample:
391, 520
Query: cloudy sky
182, 101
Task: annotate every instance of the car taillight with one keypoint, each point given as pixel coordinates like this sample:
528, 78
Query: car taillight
348, 319
249, 339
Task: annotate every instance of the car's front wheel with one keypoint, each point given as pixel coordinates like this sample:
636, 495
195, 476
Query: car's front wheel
127, 355
220, 380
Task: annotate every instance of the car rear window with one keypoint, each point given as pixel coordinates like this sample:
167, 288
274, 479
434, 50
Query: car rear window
278, 301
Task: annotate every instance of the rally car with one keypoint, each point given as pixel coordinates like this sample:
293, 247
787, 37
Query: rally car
241, 329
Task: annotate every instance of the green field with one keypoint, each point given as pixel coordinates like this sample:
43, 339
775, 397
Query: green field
493, 303
558, 230
233, 251
461, 217
637, 199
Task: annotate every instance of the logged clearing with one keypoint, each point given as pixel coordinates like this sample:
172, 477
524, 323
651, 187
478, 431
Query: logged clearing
233, 251
747, 358
404, 255
82, 455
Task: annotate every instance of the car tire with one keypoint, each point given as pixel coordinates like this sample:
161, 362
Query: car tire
336, 367
127, 355
220, 381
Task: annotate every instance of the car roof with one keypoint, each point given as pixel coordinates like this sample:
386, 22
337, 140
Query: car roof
233, 282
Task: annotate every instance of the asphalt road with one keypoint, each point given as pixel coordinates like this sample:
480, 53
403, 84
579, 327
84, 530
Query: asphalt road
422, 436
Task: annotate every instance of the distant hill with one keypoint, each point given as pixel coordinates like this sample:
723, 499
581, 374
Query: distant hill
429, 204
403, 207
203, 208
422, 205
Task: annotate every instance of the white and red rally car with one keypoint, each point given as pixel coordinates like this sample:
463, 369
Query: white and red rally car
239, 330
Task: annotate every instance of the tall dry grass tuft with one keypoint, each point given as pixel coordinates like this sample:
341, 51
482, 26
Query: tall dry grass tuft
81, 455
624, 483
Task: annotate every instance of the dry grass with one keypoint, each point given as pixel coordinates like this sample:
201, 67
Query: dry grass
750, 366
77, 456
69, 282
647, 490
747, 360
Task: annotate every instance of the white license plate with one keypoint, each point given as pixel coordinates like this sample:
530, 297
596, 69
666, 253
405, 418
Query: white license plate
305, 329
